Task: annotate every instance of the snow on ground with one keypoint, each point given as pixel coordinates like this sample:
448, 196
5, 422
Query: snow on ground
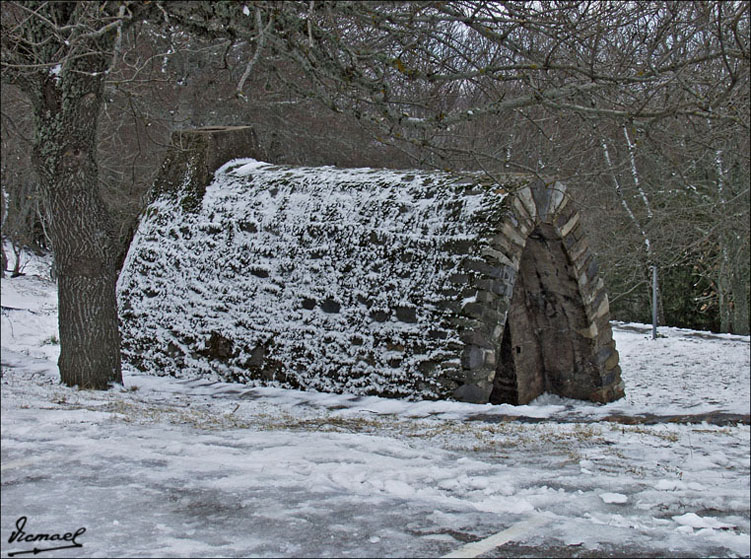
168, 468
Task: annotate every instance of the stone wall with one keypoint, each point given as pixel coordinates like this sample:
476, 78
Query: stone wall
395, 283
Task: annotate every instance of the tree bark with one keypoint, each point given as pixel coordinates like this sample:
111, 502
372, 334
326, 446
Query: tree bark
3, 256
81, 232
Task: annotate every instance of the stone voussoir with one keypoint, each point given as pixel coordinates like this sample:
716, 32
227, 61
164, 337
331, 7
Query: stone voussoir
525, 197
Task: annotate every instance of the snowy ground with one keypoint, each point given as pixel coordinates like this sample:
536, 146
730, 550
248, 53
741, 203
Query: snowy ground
167, 468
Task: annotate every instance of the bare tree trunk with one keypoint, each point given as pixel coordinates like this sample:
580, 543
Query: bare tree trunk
3, 256
657, 307
17, 249
82, 236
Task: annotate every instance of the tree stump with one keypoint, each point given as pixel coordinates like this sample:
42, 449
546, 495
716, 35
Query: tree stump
195, 154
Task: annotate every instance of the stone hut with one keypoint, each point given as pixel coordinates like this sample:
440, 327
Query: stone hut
414, 284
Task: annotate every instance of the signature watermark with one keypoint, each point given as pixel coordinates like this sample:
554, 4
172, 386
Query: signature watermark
51, 541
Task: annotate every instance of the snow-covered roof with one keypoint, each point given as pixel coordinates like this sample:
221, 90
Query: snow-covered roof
324, 278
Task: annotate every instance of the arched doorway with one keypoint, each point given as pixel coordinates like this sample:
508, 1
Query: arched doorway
543, 348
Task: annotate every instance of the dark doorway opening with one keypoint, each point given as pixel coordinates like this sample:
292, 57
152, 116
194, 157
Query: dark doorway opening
544, 348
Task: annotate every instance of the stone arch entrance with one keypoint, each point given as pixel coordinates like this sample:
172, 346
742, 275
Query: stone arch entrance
542, 348
555, 335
